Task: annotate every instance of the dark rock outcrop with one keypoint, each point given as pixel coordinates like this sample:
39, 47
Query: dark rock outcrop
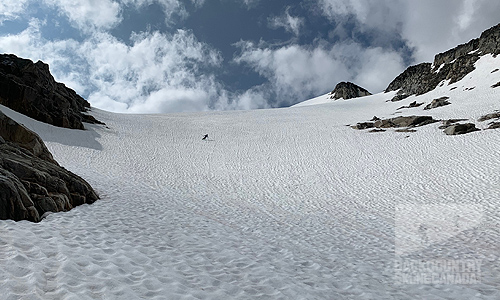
363, 125
411, 121
31, 182
494, 125
448, 123
348, 90
452, 65
412, 105
443, 101
460, 129
494, 115
397, 122
496, 85
30, 89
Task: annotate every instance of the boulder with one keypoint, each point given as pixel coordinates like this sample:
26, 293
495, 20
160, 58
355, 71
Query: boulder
363, 125
31, 182
494, 125
437, 103
30, 89
399, 97
411, 121
28, 140
460, 129
377, 130
495, 115
397, 122
348, 90
448, 123
412, 105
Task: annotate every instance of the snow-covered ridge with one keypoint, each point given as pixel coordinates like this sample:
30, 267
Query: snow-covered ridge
471, 98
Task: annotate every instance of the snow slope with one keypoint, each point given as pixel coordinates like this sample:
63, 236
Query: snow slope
278, 204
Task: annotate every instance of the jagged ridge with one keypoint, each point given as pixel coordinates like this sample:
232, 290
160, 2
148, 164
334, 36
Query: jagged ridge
29, 88
452, 65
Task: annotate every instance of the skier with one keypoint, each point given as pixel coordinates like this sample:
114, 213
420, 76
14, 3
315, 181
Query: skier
205, 137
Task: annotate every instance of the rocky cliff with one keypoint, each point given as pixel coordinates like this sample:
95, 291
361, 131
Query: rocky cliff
30, 89
452, 65
348, 90
31, 182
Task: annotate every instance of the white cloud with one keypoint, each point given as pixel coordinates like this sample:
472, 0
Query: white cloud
157, 73
297, 71
89, 14
289, 23
428, 26
10, 9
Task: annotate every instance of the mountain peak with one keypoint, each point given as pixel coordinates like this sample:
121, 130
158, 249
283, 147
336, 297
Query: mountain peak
452, 65
348, 90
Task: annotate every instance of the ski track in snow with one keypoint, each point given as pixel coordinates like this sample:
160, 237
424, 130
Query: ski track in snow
277, 204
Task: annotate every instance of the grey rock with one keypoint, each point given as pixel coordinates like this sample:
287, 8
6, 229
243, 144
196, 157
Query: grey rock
495, 115
377, 130
412, 105
363, 125
14, 200
457, 52
494, 125
452, 65
30, 89
448, 123
410, 81
411, 121
25, 138
31, 181
437, 103
457, 129
397, 122
399, 97
348, 90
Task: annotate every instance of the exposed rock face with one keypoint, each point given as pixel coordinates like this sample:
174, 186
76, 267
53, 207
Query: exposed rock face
448, 123
494, 125
443, 101
410, 81
363, 125
31, 182
460, 129
411, 121
348, 90
30, 89
451, 65
494, 115
412, 105
397, 122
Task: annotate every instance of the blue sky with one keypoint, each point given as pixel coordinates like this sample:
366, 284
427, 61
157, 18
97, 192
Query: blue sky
158, 56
